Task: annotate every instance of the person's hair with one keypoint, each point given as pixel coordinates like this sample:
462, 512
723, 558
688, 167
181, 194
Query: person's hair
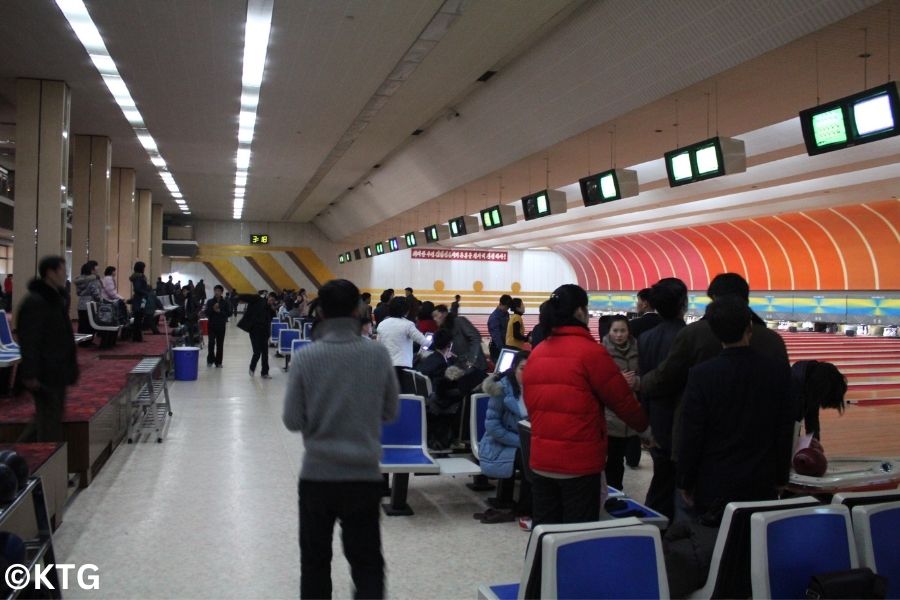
505, 300
827, 385
604, 324
363, 321
644, 295
560, 309
442, 308
386, 295
109, 271
218, 287
457, 297
398, 307
516, 303
729, 317
289, 305
338, 298
615, 318
303, 291
273, 295
409, 289
86, 268
442, 338
366, 296
139, 266
511, 372
725, 284
668, 297
426, 309
49, 263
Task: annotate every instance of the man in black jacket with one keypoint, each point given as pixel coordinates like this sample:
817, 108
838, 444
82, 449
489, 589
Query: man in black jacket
257, 321
217, 311
670, 297
738, 421
49, 362
647, 317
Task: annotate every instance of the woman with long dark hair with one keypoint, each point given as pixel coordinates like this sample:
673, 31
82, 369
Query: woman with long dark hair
569, 381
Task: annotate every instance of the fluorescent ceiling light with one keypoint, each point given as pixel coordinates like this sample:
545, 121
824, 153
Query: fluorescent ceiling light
240, 192
243, 158
247, 119
245, 135
86, 31
104, 64
249, 101
147, 141
240, 180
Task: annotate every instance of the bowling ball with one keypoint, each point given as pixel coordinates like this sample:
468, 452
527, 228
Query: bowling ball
18, 465
811, 462
9, 484
12, 548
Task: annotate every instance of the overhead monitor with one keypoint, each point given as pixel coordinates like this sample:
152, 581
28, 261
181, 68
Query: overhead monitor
348, 256
367, 250
436, 233
463, 225
607, 186
543, 204
357, 254
864, 117
379, 248
413, 239
393, 244
505, 360
496, 216
341, 259
704, 160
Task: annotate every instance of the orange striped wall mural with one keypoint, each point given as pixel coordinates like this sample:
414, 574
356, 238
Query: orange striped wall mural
853, 247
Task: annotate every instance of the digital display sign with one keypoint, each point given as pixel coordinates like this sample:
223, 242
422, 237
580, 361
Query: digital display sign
257, 239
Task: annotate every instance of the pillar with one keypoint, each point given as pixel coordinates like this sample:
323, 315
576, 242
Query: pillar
143, 246
91, 156
156, 237
122, 238
42, 172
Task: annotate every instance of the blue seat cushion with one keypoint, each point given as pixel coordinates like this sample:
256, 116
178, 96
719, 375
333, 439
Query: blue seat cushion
404, 456
506, 591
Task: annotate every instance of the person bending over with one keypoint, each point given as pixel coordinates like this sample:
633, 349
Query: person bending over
337, 397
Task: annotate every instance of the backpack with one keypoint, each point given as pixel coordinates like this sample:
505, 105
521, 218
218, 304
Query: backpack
106, 314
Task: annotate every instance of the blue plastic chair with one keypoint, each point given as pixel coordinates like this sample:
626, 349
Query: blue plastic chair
788, 547
877, 531
298, 345
403, 451
591, 564
286, 338
6, 338
276, 327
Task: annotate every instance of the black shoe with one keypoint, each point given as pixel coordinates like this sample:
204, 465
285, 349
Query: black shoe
499, 503
218, 366
265, 376
501, 516
480, 515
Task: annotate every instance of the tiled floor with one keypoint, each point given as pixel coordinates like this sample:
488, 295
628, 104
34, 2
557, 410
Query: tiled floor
212, 511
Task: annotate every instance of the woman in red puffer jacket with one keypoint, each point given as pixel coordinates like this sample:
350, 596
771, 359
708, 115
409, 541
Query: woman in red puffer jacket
569, 381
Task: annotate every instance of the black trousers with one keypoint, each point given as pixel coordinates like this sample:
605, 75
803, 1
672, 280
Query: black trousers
49, 407
615, 460
84, 324
356, 505
572, 500
633, 452
216, 345
524, 505
259, 340
661, 494
138, 326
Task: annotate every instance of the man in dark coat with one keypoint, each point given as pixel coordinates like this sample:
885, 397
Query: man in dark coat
217, 311
257, 322
647, 317
49, 362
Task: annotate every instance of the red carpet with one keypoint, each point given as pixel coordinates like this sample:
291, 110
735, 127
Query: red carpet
34, 454
100, 382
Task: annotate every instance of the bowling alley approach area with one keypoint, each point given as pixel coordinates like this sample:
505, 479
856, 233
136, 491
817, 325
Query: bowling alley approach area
494, 299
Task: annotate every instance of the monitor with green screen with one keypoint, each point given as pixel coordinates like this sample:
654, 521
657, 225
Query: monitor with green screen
379, 248
873, 115
341, 259
431, 233
608, 188
411, 240
393, 244
368, 251
681, 166
829, 127
707, 160
490, 218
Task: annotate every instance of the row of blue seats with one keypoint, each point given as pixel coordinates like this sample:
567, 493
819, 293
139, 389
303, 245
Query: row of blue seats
10, 352
789, 542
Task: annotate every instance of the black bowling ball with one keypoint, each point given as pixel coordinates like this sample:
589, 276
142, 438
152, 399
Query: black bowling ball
18, 465
9, 485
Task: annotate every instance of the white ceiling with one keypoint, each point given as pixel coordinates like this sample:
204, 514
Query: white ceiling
564, 66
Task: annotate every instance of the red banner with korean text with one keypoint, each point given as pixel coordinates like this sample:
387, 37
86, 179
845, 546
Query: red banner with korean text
459, 254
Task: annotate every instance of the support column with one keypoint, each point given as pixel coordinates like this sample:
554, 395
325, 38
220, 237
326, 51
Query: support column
143, 247
125, 237
156, 236
91, 156
112, 227
42, 172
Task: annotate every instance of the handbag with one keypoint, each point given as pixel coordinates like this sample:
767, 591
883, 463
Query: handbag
853, 583
244, 323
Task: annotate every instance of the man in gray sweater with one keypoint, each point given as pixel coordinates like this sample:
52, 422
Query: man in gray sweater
340, 390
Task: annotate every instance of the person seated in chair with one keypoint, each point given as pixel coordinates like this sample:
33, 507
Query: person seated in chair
446, 397
499, 451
